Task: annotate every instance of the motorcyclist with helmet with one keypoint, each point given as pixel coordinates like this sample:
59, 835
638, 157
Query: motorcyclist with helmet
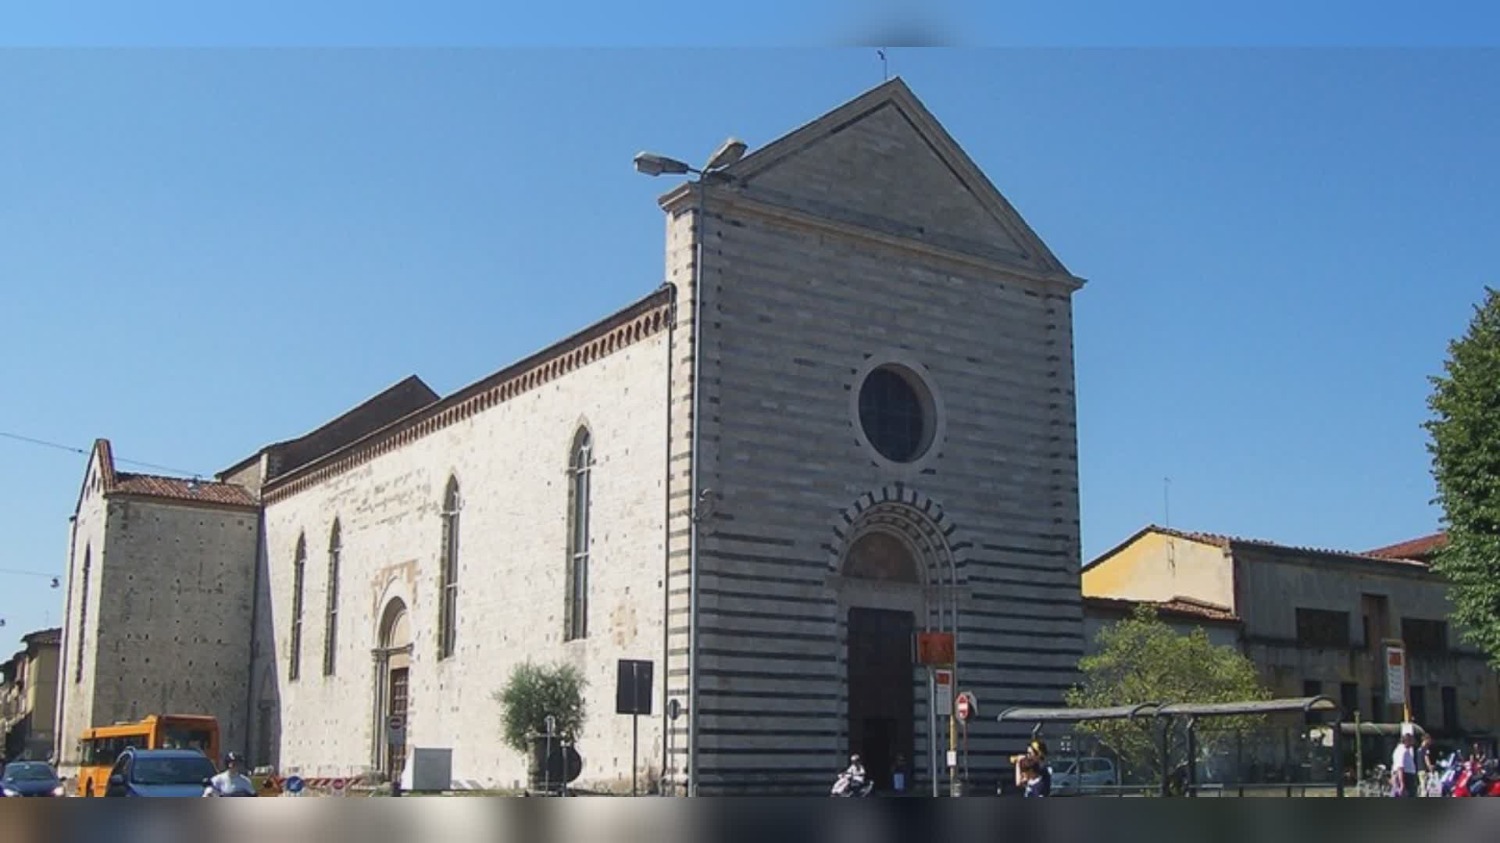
233, 781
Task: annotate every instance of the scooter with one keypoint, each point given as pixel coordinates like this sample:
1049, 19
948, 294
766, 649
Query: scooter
850, 786
211, 792
1477, 780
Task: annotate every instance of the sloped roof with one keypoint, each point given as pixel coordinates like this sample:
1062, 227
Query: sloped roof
182, 489
1420, 549
395, 402
1179, 607
1229, 543
44, 636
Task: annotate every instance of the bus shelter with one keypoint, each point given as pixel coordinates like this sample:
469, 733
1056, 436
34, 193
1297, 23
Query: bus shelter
1187, 719
1192, 715
1077, 781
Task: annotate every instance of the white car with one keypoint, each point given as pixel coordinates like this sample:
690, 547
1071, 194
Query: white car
1083, 775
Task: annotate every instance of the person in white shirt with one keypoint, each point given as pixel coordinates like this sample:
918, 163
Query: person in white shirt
1404, 766
233, 781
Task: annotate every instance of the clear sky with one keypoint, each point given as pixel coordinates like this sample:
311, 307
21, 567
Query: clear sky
204, 251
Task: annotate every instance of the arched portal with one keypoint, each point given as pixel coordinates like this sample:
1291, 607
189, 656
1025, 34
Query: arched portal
894, 575
392, 683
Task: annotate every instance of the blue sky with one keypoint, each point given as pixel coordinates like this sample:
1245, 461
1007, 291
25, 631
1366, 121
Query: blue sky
204, 251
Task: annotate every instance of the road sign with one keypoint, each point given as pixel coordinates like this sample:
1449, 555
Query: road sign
935, 648
968, 706
1395, 673
338, 786
396, 723
294, 785
674, 709
943, 680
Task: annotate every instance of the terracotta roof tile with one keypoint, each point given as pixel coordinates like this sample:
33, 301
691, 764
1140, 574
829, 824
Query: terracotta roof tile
1182, 607
1226, 541
183, 489
1418, 549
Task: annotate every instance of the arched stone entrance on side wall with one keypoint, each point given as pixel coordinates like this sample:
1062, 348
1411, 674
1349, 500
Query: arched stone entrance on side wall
894, 574
392, 683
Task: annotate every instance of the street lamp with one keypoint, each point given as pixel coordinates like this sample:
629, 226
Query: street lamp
652, 164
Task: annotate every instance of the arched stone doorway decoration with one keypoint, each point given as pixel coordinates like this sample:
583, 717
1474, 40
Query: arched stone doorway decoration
392, 683
894, 573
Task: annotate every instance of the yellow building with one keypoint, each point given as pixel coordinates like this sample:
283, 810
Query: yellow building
28, 696
1314, 620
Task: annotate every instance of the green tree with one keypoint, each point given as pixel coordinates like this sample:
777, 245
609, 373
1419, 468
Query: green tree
1143, 660
536, 692
1465, 450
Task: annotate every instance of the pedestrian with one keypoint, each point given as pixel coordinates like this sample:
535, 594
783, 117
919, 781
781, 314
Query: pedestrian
1404, 765
1427, 758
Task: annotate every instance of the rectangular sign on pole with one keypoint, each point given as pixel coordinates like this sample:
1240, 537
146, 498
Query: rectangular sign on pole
944, 702
1395, 673
935, 649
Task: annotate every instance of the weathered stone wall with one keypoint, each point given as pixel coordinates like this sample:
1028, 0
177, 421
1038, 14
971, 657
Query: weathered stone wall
174, 628
1274, 583
510, 460
797, 311
81, 603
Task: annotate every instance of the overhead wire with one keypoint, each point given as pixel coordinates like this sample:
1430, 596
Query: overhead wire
85, 452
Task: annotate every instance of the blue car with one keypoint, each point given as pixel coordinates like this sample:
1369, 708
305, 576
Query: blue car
160, 772
30, 778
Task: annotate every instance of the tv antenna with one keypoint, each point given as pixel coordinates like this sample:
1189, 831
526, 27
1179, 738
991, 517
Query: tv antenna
885, 65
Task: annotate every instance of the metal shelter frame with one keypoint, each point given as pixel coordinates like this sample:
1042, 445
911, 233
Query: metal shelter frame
1192, 713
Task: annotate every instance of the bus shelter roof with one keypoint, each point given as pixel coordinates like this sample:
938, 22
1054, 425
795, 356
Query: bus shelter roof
1075, 715
1285, 705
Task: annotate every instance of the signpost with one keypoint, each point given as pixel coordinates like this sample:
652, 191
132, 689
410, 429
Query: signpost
937, 651
1395, 677
968, 708
633, 697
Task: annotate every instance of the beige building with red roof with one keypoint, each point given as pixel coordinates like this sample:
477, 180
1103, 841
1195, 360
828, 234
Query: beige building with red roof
1313, 620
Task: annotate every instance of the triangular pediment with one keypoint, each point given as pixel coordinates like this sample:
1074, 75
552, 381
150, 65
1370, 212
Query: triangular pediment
883, 162
98, 475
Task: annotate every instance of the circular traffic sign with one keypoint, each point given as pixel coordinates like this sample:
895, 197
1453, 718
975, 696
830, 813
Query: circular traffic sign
338, 785
395, 722
963, 708
294, 784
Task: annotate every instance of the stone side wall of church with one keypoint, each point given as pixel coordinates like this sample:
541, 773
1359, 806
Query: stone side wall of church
795, 316
168, 622
511, 462
81, 619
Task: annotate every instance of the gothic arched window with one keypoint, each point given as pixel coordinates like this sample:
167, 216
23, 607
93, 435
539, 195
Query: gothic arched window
448, 608
576, 614
331, 612
299, 579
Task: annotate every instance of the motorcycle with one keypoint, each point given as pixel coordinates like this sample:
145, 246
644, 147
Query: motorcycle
852, 785
1475, 779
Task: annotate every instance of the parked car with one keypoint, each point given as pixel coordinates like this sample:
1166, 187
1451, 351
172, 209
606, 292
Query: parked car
30, 778
1083, 775
160, 772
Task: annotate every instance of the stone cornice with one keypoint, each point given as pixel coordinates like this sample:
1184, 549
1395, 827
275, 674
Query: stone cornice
800, 219
641, 320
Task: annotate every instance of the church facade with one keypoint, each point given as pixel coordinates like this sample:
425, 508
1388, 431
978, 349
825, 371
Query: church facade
847, 416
